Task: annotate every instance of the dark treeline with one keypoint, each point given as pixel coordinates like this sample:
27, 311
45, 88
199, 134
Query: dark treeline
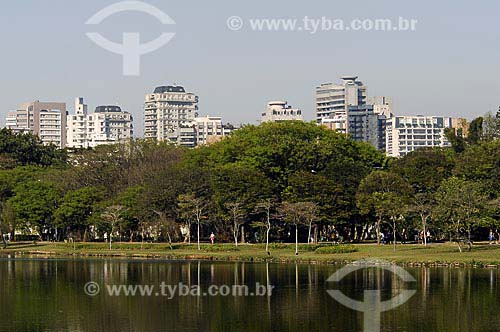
283, 182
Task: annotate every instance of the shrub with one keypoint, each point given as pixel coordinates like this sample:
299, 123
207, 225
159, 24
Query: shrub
336, 249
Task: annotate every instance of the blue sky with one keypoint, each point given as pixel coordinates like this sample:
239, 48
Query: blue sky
449, 66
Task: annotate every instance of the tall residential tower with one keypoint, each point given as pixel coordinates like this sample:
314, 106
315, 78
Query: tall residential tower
169, 113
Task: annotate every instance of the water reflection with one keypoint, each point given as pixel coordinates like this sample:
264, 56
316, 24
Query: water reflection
47, 295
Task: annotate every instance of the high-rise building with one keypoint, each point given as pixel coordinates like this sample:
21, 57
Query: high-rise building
278, 111
169, 113
409, 133
209, 129
107, 125
365, 125
46, 120
381, 105
333, 100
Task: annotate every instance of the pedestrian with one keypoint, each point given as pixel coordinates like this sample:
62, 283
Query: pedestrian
492, 237
212, 238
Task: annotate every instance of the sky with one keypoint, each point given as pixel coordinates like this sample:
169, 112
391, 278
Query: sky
450, 65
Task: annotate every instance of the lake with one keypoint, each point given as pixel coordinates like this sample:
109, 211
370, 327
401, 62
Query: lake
50, 295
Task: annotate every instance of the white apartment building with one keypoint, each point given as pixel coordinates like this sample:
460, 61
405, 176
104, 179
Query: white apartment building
381, 105
333, 100
209, 129
278, 111
168, 110
408, 133
338, 123
107, 125
46, 120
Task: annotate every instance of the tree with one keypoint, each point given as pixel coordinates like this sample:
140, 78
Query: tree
386, 196
34, 205
266, 206
236, 189
3, 227
476, 133
298, 213
20, 149
459, 203
168, 226
456, 138
192, 207
75, 210
237, 215
310, 212
113, 215
424, 169
328, 196
491, 126
481, 163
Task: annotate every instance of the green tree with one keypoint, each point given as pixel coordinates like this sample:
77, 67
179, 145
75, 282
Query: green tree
481, 163
476, 131
20, 149
194, 208
459, 206
296, 214
75, 210
34, 204
266, 207
386, 196
424, 169
113, 215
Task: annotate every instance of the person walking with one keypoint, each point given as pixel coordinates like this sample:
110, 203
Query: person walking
212, 238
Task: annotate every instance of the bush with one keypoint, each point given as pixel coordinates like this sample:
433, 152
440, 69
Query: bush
219, 248
336, 249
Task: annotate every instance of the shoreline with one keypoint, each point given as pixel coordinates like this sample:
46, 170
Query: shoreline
436, 256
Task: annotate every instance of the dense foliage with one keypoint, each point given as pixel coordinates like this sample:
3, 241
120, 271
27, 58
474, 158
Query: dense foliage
273, 179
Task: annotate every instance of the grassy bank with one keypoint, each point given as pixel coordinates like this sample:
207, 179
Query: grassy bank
482, 255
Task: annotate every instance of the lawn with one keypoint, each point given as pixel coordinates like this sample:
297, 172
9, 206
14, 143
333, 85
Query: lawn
435, 254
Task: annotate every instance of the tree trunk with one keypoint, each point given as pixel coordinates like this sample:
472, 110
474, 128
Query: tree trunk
424, 224
309, 233
394, 234
3, 238
267, 236
242, 234
85, 235
142, 237
296, 239
198, 234
169, 241
378, 231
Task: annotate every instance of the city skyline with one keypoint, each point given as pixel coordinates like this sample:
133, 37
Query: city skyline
427, 71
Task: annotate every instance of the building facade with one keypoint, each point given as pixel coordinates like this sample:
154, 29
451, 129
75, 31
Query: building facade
409, 133
107, 125
278, 111
168, 112
333, 100
209, 129
365, 125
47, 120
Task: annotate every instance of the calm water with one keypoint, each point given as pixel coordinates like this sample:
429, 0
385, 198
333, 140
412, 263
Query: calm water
48, 295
